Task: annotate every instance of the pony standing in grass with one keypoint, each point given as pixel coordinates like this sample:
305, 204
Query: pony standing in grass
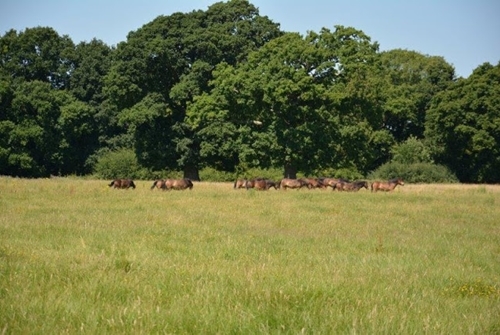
387, 186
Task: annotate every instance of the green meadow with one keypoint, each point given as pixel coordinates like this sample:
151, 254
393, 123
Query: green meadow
79, 257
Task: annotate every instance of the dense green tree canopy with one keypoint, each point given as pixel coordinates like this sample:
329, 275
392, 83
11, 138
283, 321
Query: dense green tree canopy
38, 54
42, 131
463, 126
412, 80
174, 56
307, 93
226, 89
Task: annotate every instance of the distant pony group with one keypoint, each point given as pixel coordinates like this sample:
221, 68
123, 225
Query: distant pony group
264, 184
161, 184
339, 184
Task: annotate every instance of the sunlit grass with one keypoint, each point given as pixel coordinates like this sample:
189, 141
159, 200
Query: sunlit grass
77, 256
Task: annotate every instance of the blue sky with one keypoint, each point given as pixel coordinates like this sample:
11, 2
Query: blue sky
465, 32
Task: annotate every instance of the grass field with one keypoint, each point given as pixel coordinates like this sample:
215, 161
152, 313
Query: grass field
79, 257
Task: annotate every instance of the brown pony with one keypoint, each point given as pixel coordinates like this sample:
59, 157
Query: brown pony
178, 184
122, 183
292, 183
386, 186
313, 183
332, 182
239, 183
257, 183
352, 187
159, 184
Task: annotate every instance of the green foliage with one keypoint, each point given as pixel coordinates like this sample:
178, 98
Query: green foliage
182, 92
344, 173
38, 54
32, 135
92, 62
212, 175
463, 126
46, 131
414, 173
150, 123
270, 173
411, 81
411, 151
315, 96
120, 164
219, 147
79, 137
173, 57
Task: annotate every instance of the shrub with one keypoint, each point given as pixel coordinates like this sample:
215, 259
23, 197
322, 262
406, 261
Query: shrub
272, 173
415, 173
120, 164
211, 174
411, 151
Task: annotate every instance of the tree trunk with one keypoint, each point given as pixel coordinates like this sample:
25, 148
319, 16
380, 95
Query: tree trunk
290, 171
192, 173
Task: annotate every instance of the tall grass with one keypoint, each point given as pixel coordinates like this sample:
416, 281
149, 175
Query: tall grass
79, 257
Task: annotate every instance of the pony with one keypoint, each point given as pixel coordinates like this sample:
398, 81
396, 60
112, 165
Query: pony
332, 182
257, 183
313, 183
178, 184
292, 183
239, 183
122, 183
159, 184
352, 187
387, 186
272, 183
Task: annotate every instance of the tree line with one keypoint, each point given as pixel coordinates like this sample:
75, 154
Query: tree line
227, 89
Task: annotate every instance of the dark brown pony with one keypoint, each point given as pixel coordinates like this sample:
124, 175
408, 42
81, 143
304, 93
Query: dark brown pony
178, 184
159, 184
313, 183
122, 183
272, 183
239, 183
352, 187
292, 183
387, 186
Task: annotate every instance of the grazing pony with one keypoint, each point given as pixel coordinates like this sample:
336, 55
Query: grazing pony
386, 186
272, 183
239, 183
313, 183
122, 183
352, 187
159, 184
257, 183
332, 182
292, 183
178, 184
